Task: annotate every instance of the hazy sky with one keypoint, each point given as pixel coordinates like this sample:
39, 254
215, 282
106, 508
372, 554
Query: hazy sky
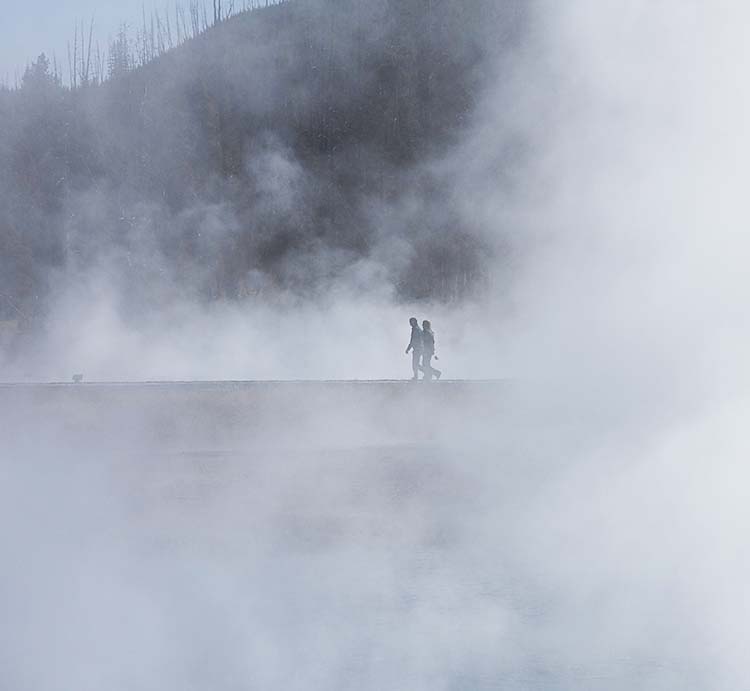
46, 26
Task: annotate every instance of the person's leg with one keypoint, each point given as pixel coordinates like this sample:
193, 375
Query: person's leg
415, 363
427, 366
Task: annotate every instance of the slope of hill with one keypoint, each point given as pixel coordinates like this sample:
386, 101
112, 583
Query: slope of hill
286, 149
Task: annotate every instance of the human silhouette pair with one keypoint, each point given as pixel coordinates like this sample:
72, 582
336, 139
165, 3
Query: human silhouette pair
422, 349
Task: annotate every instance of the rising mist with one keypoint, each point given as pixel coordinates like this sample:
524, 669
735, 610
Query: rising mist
582, 527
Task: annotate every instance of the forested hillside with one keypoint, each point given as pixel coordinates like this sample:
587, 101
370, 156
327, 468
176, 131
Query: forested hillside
284, 149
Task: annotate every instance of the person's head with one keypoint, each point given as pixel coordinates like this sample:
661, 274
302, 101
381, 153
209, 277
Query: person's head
413, 321
426, 325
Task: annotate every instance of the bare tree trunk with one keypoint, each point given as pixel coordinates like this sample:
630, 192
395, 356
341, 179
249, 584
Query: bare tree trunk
169, 30
160, 42
144, 55
75, 57
195, 18
205, 18
88, 51
177, 12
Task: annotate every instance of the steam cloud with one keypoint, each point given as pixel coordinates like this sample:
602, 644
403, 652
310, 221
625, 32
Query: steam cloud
286, 157
584, 531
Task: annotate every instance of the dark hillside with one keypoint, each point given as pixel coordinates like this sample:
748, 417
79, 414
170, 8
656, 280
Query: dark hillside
280, 149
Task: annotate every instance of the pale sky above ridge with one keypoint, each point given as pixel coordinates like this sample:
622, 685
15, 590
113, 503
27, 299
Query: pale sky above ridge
46, 26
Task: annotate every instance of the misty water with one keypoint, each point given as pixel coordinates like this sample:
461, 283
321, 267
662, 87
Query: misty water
378, 536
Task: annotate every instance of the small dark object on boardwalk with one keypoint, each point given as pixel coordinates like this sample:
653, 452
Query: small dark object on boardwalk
77, 378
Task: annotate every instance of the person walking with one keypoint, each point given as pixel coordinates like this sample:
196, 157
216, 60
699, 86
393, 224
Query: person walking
415, 347
428, 352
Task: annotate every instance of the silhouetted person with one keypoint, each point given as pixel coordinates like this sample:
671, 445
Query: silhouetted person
415, 346
428, 352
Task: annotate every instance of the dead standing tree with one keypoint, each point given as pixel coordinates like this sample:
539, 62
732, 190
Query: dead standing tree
87, 63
